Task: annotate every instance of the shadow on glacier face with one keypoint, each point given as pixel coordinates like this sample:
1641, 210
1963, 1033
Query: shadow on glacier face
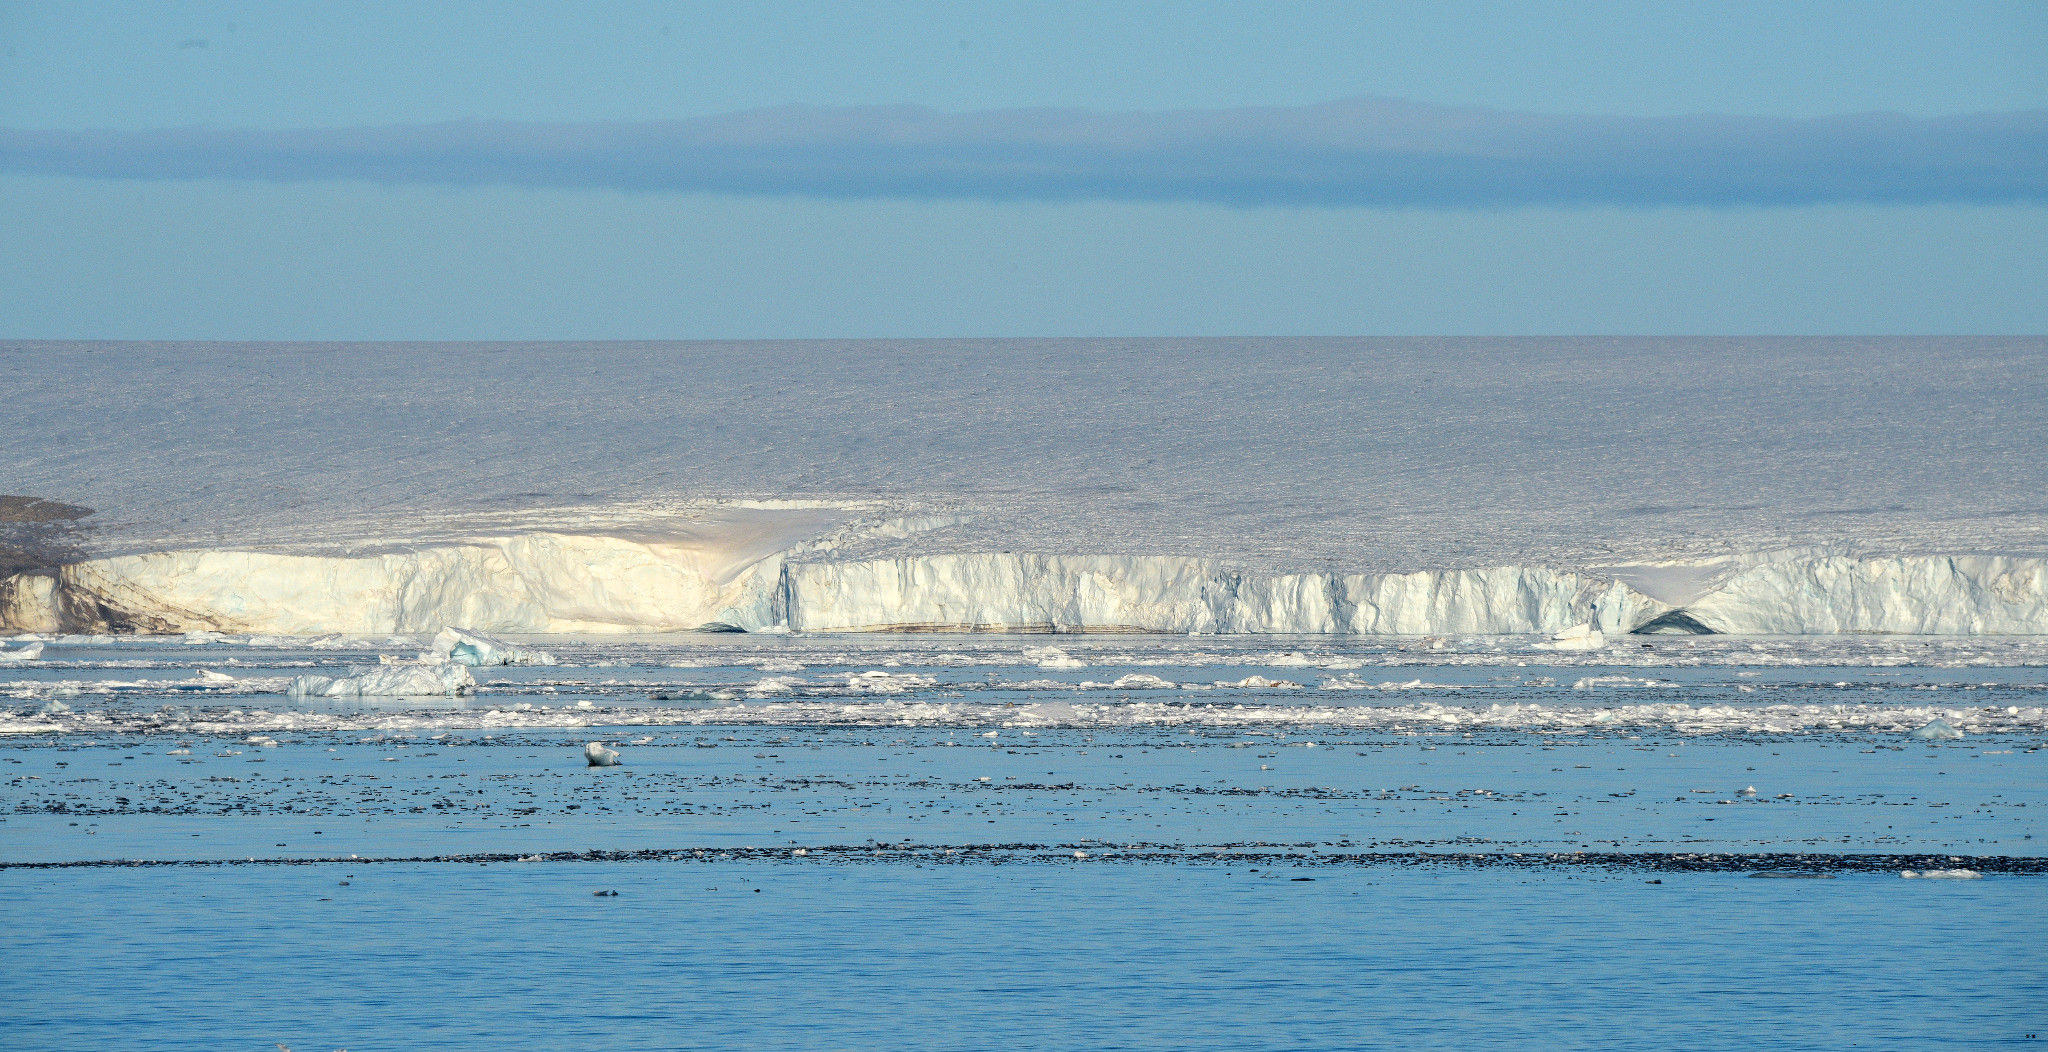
1675, 623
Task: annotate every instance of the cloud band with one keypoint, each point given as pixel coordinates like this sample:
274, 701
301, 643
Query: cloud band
1363, 152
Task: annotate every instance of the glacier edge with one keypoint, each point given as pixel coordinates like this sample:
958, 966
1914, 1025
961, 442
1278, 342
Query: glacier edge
593, 584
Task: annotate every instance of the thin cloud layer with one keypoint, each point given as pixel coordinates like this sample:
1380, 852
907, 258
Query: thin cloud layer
1363, 152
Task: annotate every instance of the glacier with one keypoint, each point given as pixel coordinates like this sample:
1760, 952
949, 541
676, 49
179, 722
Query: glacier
559, 583
1344, 487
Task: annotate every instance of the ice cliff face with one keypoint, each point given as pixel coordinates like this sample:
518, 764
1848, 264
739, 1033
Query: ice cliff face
532, 583
1906, 595
1024, 592
573, 583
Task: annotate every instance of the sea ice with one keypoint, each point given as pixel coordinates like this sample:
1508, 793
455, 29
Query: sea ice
597, 755
391, 681
27, 653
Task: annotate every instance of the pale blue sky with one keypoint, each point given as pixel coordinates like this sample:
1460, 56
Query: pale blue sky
337, 258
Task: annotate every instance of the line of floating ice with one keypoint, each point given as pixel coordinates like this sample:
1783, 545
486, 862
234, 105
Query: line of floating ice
1421, 717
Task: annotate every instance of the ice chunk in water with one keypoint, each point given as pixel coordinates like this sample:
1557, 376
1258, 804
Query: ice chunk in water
1052, 657
599, 756
1937, 728
1941, 874
390, 682
28, 653
1578, 637
464, 647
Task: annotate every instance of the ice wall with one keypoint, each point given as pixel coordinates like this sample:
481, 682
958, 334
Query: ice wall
551, 582
1905, 595
543, 582
1041, 593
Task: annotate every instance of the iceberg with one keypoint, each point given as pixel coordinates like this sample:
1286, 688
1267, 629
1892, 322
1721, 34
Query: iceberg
470, 648
1937, 729
1577, 637
398, 681
596, 755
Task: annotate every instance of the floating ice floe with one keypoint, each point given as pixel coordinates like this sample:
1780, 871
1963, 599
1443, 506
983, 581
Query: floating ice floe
1577, 637
1941, 874
207, 675
597, 755
1052, 657
465, 647
30, 652
1937, 729
389, 682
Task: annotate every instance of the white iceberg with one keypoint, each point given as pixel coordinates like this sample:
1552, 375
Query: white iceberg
465, 647
1937, 729
1577, 637
1052, 657
598, 756
30, 652
1941, 874
399, 681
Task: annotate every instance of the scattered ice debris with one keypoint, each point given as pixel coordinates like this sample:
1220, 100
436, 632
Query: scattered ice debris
207, 675
1577, 637
1261, 681
1937, 729
465, 647
30, 652
1941, 874
1141, 681
598, 756
397, 681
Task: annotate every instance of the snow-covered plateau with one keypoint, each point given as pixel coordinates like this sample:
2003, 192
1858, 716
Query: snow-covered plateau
1305, 487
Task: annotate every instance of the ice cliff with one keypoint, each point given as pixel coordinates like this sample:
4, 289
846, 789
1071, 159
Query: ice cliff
576, 583
1056, 593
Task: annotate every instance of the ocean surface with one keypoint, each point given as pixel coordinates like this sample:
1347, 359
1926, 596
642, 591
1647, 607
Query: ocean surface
952, 842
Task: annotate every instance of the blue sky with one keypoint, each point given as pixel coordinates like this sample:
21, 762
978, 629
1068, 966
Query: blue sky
287, 172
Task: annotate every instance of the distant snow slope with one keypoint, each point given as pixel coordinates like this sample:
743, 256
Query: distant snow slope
1785, 485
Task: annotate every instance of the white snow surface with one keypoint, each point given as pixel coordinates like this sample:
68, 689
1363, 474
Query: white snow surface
1796, 486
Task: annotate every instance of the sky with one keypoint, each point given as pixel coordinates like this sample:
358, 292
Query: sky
735, 170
